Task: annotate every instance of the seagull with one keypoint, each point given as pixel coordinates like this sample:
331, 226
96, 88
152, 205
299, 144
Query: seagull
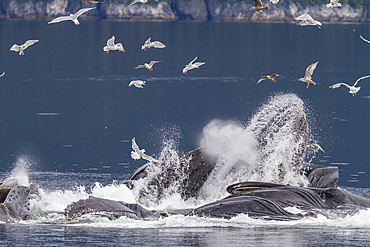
352, 89
312, 145
137, 83
2, 74
274, 1
309, 72
268, 77
147, 66
92, 1
148, 44
137, 153
364, 39
71, 17
333, 4
21, 48
112, 47
258, 6
307, 20
191, 66
139, 1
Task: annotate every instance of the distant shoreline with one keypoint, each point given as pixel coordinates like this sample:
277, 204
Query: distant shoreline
194, 10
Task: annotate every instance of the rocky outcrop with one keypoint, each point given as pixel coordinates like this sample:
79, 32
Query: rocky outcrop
285, 10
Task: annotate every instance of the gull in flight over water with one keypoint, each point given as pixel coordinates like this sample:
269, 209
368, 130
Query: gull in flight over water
21, 48
352, 89
268, 77
148, 44
308, 74
137, 153
139, 1
92, 1
71, 17
306, 20
258, 6
137, 83
364, 39
2, 74
147, 66
312, 145
113, 47
192, 65
333, 4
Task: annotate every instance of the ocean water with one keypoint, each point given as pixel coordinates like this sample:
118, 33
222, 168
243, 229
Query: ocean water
67, 117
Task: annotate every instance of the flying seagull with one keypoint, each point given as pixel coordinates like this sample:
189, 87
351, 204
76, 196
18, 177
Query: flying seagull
312, 145
364, 39
21, 48
113, 47
308, 74
92, 1
2, 74
148, 44
306, 20
137, 83
137, 153
139, 1
258, 6
333, 4
71, 17
268, 77
352, 89
192, 65
147, 66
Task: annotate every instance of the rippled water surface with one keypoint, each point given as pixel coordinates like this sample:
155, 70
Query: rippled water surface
67, 112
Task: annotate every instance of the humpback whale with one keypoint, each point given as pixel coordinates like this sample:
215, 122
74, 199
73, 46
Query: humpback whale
14, 202
268, 200
281, 118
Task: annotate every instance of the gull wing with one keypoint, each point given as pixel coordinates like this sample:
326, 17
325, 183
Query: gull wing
364, 39
59, 19
303, 17
148, 158
110, 42
15, 47
258, 3
359, 79
153, 62
30, 42
276, 75
261, 79
192, 61
2, 74
81, 11
197, 64
147, 42
315, 145
140, 66
158, 44
133, 2
310, 69
134, 146
338, 85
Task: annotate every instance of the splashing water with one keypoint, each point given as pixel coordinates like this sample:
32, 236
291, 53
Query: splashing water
269, 149
20, 173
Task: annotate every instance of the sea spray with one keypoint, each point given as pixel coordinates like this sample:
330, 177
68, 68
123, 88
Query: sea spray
270, 148
20, 173
235, 148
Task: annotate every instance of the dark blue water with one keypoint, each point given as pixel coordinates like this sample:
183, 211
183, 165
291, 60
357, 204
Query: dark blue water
66, 108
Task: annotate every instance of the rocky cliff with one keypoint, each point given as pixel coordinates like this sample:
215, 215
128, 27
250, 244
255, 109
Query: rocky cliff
285, 10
